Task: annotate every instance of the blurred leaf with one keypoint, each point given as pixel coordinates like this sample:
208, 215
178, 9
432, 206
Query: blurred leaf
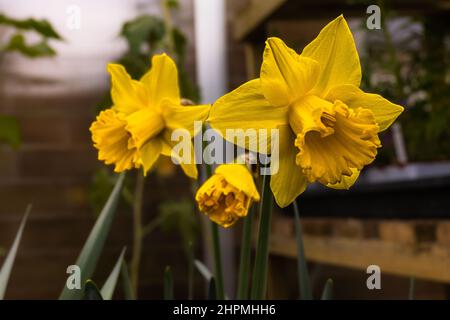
204, 271
110, 283
9, 261
327, 293
9, 131
303, 276
143, 29
126, 282
168, 284
17, 43
212, 291
43, 27
102, 185
91, 291
172, 4
179, 217
87, 260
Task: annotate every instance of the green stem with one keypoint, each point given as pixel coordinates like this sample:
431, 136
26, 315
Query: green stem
137, 233
262, 252
302, 267
168, 38
216, 251
217, 261
246, 247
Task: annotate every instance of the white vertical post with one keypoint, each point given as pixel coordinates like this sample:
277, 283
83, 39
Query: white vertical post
210, 46
211, 63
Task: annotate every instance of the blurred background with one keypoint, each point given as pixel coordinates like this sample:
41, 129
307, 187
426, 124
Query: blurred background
53, 82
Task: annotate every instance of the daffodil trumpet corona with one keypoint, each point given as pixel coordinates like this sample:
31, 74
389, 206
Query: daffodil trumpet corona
328, 127
138, 128
228, 194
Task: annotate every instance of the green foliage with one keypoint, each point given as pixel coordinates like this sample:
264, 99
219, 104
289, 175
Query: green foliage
89, 255
102, 186
146, 35
9, 131
5, 272
17, 41
91, 291
110, 283
179, 217
416, 78
168, 284
327, 293
42, 27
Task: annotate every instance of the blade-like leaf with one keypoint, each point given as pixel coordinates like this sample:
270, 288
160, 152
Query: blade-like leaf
9, 261
110, 283
91, 291
204, 271
327, 293
212, 289
126, 282
303, 276
168, 284
87, 260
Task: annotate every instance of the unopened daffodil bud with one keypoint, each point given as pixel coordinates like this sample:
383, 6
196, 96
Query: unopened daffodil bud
228, 194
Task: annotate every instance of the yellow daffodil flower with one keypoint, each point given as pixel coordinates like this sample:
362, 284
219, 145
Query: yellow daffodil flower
137, 129
227, 195
328, 127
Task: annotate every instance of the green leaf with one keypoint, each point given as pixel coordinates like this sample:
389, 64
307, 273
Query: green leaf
259, 285
204, 271
245, 256
40, 49
302, 267
110, 283
327, 293
43, 27
91, 291
168, 284
9, 131
87, 260
212, 290
5, 272
144, 29
126, 282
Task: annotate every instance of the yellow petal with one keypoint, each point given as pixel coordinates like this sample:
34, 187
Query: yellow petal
178, 116
128, 95
189, 167
335, 51
289, 182
142, 126
285, 75
240, 177
246, 108
111, 140
162, 81
150, 152
384, 111
346, 181
352, 144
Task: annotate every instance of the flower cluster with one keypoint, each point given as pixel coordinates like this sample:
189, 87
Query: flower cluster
328, 127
